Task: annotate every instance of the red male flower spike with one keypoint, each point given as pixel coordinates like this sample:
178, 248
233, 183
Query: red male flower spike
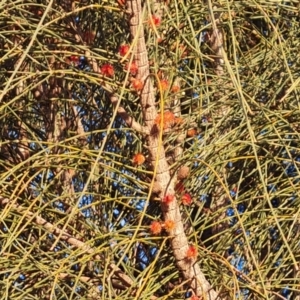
186, 199
168, 198
107, 70
155, 227
192, 252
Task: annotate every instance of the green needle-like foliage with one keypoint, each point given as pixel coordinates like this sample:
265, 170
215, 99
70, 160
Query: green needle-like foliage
75, 207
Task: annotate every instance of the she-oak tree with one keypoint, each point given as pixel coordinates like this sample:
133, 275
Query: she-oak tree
149, 149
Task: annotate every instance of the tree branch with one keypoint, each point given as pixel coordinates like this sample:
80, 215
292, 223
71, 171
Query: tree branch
179, 242
126, 280
126, 117
216, 41
129, 120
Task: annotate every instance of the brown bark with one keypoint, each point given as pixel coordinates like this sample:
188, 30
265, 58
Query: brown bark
179, 242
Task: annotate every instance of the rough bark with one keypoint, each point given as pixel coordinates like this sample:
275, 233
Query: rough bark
178, 239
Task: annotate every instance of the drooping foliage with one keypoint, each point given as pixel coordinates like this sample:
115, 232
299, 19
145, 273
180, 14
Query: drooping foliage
78, 205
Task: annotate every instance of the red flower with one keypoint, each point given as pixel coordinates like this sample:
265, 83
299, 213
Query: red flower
191, 132
74, 58
107, 70
194, 297
138, 159
155, 20
169, 225
192, 252
186, 199
168, 198
175, 88
164, 84
137, 84
123, 50
168, 119
133, 68
155, 227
